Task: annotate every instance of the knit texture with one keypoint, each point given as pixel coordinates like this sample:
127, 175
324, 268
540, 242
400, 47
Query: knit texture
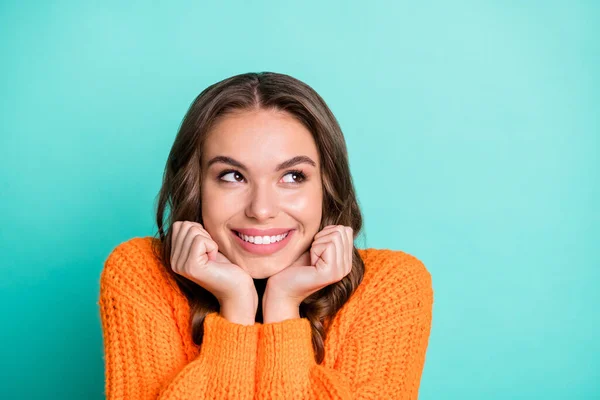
375, 347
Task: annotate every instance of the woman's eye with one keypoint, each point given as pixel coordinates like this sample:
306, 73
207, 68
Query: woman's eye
234, 174
297, 176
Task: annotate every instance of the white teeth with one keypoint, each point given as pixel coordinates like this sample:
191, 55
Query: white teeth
262, 239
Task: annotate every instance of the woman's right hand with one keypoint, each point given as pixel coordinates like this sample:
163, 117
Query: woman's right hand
195, 255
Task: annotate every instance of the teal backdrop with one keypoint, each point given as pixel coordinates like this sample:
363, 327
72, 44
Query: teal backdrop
473, 131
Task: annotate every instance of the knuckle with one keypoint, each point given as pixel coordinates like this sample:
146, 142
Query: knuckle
199, 227
198, 239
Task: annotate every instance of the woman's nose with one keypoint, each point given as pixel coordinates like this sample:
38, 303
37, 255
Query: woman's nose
262, 203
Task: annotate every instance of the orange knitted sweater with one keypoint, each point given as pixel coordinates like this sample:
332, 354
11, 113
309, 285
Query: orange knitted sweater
374, 349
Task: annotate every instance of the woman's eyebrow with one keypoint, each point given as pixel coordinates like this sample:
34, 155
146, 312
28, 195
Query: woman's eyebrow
284, 165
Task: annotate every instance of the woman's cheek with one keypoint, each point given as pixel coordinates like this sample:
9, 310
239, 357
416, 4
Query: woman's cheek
298, 204
307, 209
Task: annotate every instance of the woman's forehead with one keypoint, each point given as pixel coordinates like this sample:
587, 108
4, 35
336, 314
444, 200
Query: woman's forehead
268, 139
263, 125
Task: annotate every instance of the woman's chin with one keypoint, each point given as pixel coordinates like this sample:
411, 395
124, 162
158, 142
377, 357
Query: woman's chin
262, 273
261, 270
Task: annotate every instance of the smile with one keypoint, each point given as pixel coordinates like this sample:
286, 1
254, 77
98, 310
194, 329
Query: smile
262, 244
263, 239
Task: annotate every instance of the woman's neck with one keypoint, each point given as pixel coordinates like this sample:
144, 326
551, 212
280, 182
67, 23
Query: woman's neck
260, 285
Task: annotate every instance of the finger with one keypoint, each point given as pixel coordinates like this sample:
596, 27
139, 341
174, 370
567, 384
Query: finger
350, 251
325, 237
213, 254
187, 233
340, 245
210, 246
200, 249
337, 231
350, 233
185, 240
199, 226
316, 253
197, 250
324, 263
327, 229
176, 242
174, 229
347, 245
340, 236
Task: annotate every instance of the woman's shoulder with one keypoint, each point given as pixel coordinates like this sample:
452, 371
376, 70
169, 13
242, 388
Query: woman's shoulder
138, 254
134, 267
394, 271
396, 286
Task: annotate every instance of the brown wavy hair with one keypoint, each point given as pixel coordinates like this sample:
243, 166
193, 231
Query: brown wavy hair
181, 185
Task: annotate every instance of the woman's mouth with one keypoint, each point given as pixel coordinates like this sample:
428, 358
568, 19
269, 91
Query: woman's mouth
263, 245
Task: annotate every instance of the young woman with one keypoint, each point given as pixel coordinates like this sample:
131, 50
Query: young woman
253, 287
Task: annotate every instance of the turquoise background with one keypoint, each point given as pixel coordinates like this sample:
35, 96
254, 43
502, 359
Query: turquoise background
473, 132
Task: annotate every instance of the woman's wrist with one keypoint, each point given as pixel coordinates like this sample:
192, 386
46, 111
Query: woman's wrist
240, 311
238, 314
277, 309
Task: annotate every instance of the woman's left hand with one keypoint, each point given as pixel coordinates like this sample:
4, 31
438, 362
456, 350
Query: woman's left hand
330, 258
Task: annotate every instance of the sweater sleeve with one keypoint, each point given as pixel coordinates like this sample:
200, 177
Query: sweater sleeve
145, 356
382, 357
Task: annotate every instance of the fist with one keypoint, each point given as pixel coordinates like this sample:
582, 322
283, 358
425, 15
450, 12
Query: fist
195, 255
328, 261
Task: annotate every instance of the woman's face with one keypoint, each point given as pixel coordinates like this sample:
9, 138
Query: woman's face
250, 190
